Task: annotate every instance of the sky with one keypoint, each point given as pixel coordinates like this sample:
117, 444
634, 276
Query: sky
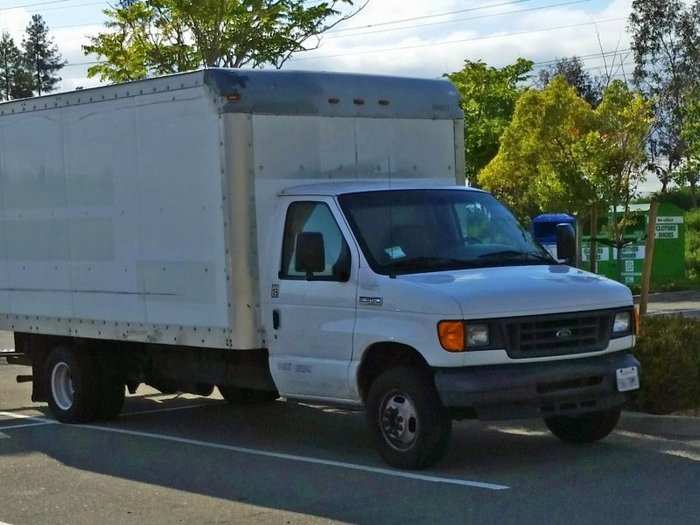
399, 37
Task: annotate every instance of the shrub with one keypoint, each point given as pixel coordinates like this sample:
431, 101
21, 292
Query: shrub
669, 351
692, 243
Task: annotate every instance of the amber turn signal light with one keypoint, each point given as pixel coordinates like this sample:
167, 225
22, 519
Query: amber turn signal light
451, 335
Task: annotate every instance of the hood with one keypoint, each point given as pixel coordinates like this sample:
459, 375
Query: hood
525, 290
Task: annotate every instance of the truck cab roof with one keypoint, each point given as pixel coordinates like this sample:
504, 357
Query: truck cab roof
333, 189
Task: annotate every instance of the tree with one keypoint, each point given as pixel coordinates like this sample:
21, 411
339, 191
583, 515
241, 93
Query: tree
488, 97
613, 155
666, 46
41, 56
154, 37
14, 79
587, 87
689, 171
559, 154
536, 167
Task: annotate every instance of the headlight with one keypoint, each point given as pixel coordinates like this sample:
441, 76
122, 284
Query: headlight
458, 336
622, 323
477, 335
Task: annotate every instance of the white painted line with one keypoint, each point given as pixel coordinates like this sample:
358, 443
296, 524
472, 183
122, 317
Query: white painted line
13, 415
170, 409
301, 459
258, 452
3, 523
28, 425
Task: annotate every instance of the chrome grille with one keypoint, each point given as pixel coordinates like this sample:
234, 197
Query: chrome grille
548, 335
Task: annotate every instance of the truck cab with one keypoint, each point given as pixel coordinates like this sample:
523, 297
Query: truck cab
432, 303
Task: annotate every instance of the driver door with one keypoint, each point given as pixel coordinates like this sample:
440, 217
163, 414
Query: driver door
313, 302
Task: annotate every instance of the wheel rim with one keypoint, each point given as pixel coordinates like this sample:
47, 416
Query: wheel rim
62, 386
398, 421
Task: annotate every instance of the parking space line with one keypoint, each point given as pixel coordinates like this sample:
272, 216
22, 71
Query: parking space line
170, 409
301, 459
38, 421
28, 425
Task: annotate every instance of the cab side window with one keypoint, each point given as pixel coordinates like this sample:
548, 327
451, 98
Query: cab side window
313, 247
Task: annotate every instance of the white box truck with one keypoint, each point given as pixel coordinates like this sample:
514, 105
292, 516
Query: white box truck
293, 234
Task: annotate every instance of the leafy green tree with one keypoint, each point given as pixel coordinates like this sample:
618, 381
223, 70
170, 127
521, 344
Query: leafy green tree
536, 168
560, 154
666, 46
613, 155
41, 56
488, 97
689, 172
572, 69
14, 79
153, 37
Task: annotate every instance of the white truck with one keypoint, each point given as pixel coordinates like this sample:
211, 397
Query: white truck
298, 235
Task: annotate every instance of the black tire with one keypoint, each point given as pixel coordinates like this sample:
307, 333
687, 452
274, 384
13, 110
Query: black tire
112, 392
247, 396
80, 406
586, 428
422, 440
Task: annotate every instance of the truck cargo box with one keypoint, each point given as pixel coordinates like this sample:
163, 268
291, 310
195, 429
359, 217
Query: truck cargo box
134, 212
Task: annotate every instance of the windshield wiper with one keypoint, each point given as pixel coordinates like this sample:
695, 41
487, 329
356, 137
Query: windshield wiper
515, 254
429, 263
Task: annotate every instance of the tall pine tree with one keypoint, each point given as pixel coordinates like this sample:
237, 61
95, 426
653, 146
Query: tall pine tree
15, 82
41, 56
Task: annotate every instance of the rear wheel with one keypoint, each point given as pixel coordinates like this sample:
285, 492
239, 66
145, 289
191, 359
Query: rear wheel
411, 427
73, 386
247, 396
586, 428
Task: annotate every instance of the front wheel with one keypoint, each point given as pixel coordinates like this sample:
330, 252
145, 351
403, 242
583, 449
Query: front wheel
586, 428
411, 427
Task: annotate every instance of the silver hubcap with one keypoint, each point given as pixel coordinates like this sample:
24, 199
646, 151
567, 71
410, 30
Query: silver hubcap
62, 386
399, 420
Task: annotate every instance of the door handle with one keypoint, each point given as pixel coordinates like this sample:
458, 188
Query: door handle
276, 319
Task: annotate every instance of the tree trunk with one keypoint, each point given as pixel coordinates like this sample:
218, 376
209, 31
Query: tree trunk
693, 196
593, 253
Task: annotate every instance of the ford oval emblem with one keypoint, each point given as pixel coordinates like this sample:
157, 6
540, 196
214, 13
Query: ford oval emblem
564, 333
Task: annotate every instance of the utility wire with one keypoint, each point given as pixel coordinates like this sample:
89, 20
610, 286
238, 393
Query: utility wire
332, 35
436, 15
47, 2
462, 40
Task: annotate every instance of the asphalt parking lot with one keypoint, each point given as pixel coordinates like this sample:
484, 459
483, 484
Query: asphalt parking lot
186, 459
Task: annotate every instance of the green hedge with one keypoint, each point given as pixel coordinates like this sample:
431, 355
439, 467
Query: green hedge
692, 243
669, 351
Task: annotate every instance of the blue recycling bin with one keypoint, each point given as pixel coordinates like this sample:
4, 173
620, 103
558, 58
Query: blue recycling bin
544, 229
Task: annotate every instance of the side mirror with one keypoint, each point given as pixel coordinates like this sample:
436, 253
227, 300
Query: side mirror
566, 244
310, 254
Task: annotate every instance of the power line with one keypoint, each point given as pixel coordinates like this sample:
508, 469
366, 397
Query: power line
23, 6
332, 35
436, 15
463, 40
598, 54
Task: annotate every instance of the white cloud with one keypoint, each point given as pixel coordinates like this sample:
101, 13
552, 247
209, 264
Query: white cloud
428, 51
374, 52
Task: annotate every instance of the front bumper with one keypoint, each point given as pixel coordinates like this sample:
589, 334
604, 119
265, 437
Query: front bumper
529, 390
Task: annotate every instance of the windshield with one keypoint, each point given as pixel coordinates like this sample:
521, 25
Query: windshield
415, 231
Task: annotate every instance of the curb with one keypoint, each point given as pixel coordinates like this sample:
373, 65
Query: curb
664, 426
